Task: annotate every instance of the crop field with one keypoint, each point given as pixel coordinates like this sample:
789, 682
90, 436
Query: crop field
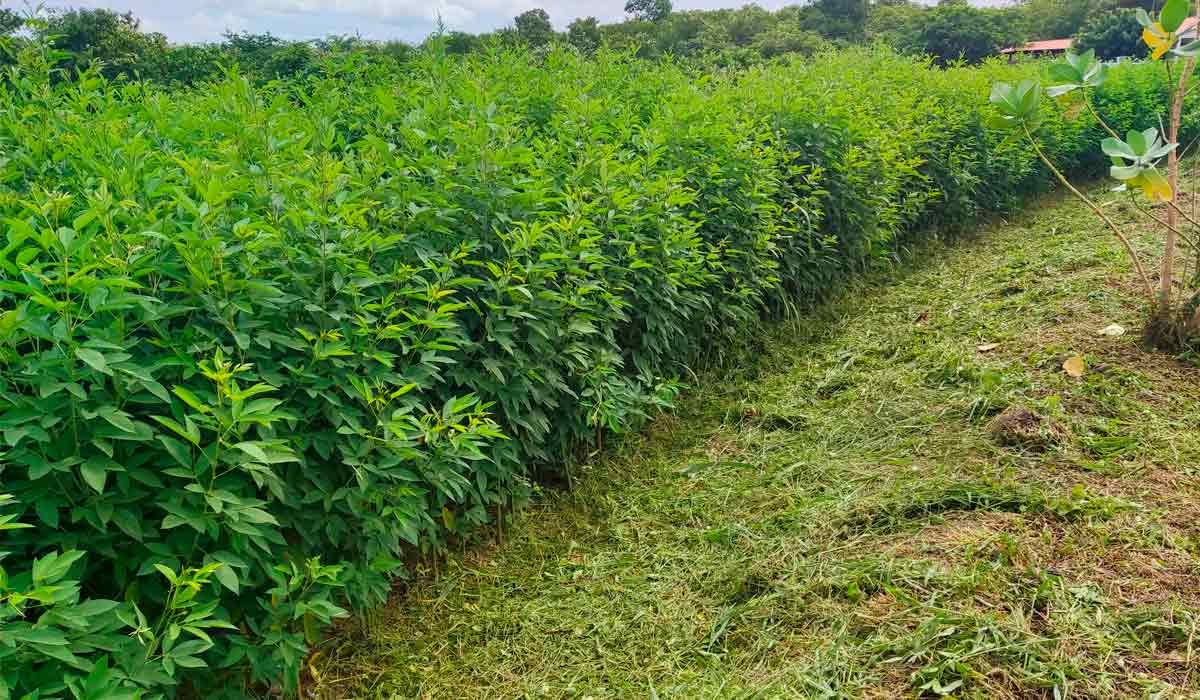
850, 516
277, 351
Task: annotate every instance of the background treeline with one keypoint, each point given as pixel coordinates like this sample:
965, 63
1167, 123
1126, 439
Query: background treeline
264, 344
947, 31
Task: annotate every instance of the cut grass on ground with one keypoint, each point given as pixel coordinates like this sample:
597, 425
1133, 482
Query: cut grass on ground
852, 518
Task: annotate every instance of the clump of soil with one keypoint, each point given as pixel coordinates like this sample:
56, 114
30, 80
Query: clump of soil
1018, 426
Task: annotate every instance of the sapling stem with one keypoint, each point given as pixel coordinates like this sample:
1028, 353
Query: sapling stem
1100, 120
1164, 224
1137, 263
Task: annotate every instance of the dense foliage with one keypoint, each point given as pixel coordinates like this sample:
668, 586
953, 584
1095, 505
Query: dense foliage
949, 30
1113, 35
261, 344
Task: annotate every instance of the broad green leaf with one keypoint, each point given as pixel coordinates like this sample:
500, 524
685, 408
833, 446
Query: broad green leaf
190, 399
228, 577
1188, 50
166, 572
1115, 147
1060, 90
1127, 172
94, 472
93, 359
1138, 142
1173, 13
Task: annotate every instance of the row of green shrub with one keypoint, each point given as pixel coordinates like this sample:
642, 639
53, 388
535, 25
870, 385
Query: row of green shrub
261, 346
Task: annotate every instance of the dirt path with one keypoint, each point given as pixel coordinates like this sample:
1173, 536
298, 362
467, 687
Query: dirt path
853, 520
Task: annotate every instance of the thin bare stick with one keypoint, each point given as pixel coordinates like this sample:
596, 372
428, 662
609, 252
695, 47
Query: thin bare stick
1183, 213
1137, 263
1088, 101
1166, 278
1160, 222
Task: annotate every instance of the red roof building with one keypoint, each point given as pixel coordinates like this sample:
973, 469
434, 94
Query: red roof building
1040, 48
1187, 33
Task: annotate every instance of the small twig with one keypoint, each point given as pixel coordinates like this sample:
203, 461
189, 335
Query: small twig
1160, 222
1088, 101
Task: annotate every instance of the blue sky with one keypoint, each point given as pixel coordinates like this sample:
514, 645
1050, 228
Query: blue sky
410, 20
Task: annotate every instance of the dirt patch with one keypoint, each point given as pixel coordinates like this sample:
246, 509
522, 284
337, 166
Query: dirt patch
1018, 426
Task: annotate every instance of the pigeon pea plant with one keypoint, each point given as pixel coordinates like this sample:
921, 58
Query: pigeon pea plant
266, 348
1136, 161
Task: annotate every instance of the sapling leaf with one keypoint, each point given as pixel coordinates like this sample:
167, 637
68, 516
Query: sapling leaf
1188, 50
1117, 148
1060, 90
1124, 172
1158, 39
1173, 13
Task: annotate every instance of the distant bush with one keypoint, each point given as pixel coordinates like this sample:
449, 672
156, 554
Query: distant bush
260, 346
1112, 35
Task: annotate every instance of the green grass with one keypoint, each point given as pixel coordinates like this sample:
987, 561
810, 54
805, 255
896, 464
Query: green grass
838, 520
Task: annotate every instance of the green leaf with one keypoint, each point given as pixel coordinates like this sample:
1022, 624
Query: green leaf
1060, 90
190, 399
40, 635
178, 429
1143, 17
118, 419
1188, 50
1030, 93
228, 577
93, 359
95, 474
165, 571
1126, 172
177, 449
1117, 148
1173, 13
53, 566
1063, 73
255, 451
1005, 99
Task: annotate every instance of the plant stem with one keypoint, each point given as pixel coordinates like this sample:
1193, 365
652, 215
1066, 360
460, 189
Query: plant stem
1167, 275
1088, 101
1164, 224
1137, 263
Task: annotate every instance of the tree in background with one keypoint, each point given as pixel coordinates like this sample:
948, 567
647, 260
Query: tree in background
101, 36
1057, 19
648, 10
731, 37
891, 22
839, 20
1112, 35
584, 34
949, 31
786, 38
957, 30
189, 64
10, 21
533, 27
461, 42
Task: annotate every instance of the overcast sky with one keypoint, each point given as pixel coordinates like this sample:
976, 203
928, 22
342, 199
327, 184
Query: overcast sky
410, 20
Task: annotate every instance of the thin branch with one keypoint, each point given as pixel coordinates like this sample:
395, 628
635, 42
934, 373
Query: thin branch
1088, 101
1137, 263
1182, 213
1137, 205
